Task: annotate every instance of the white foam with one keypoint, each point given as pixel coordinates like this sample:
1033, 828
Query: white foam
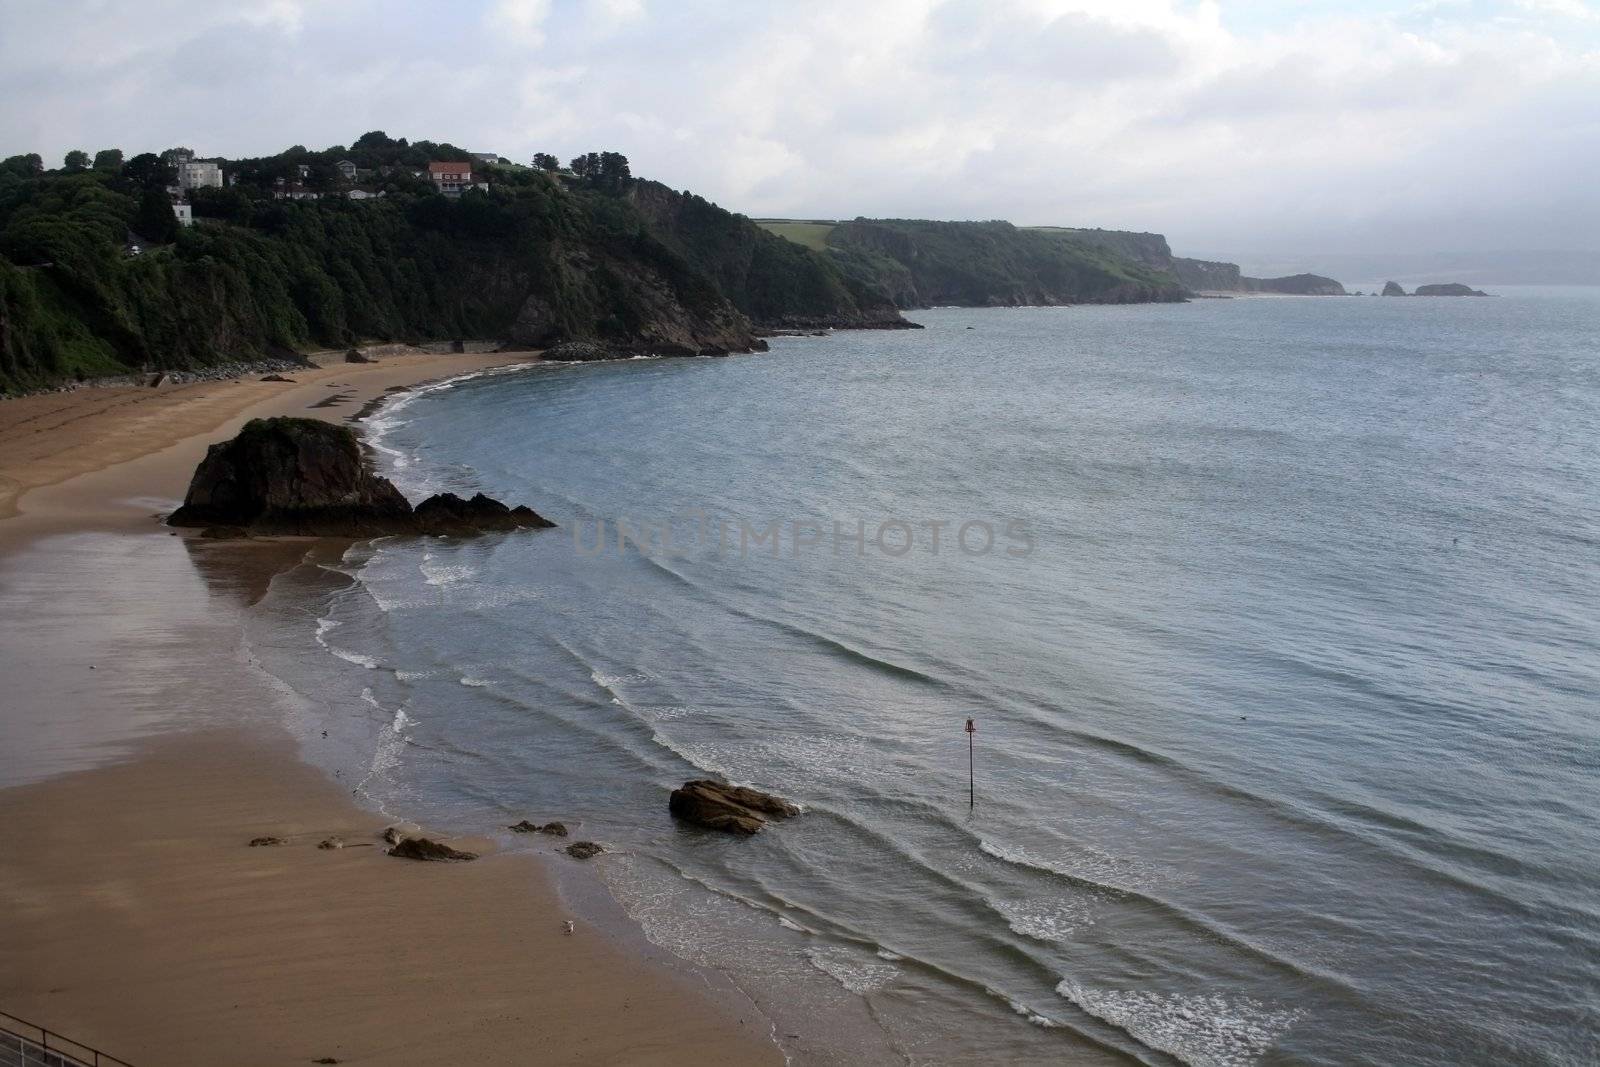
438, 574
892, 957
789, 924
850, 970
355, 657
1201, 1029
475, 683
1045, 920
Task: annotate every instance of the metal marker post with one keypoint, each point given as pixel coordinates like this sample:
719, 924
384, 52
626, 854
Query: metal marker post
972, 784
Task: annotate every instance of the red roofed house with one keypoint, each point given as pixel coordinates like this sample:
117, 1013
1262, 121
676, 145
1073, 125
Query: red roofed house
452, 179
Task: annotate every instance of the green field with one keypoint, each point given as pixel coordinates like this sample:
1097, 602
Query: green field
812, 234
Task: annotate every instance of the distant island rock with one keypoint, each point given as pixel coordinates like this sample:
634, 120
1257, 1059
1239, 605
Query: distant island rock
1393, 289
1297, 285
305, 477
1449, 289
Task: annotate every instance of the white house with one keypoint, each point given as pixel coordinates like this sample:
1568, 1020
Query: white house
199, 175
185, 214
346, 169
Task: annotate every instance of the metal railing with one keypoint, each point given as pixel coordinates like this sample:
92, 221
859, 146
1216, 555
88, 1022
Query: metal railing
25, 1044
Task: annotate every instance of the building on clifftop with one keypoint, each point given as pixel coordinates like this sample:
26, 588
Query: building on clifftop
453, 179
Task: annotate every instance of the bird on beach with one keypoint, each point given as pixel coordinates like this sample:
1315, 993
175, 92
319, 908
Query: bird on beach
569, 926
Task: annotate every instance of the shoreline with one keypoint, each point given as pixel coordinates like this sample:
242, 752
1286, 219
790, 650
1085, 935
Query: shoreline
143, 922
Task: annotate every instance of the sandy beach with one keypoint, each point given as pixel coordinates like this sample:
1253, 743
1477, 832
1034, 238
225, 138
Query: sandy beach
140, 755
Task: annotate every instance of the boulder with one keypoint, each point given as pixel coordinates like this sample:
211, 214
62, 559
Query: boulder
1393, 289
734, 809
391, 836
582, 850
354, 356
1448, 289
306, 477
555, 829
277, 378
329, 843
293, 476
263, 842
422, 848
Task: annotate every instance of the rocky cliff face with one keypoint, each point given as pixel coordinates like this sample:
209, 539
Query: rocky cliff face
1393, 289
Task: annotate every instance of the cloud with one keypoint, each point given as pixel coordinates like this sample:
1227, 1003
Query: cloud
1255, 125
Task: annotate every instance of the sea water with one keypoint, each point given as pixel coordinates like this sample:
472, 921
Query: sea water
1277, 619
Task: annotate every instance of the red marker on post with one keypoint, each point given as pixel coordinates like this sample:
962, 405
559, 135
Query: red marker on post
972, 785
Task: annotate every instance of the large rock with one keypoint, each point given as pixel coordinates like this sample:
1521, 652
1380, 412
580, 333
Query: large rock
1393, 289
292, 476
302, 476
719, 806
423, 848
1448, 289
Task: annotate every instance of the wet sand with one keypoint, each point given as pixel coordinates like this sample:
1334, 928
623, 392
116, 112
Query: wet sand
142, 751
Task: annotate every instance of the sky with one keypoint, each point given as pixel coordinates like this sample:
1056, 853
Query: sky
1277, 127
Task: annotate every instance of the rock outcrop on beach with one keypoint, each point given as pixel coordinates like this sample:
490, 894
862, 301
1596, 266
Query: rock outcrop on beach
1393, 289
427, 849
1448, 289
554, 829
719, 806
305, 477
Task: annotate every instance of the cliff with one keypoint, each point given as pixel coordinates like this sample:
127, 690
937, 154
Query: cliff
1151, 251
922, 263
1208, 276
776, 283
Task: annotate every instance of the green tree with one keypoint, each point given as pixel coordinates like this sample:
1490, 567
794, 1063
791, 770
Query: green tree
146, 169
76, 160
546, 161
109, 160
25, 166
155, 220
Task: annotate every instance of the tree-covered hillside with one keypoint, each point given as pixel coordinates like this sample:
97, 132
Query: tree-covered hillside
990, 263
96, 277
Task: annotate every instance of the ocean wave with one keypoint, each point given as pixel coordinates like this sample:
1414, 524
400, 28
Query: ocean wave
1089, 870
857, 974
1045, 920
1200, 1029
475, 683
1034, 1017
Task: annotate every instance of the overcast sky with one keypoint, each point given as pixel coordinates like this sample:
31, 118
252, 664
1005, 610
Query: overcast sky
1349, 126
